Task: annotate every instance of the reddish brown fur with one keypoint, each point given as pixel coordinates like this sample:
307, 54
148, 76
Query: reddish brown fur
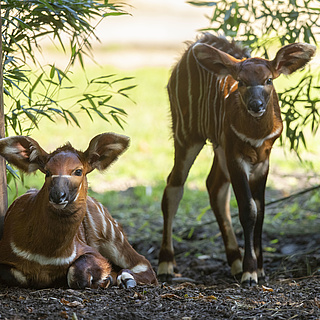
59, 235
218, 93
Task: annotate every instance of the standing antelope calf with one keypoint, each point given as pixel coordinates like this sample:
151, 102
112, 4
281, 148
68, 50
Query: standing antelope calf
218, 93
59, 235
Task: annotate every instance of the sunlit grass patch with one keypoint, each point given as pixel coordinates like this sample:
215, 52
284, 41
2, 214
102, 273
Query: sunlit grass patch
149, 159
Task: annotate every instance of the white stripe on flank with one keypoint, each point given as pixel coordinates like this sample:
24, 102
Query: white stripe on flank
116, 224
122, 236
103, 220
179, 113
214, 106
224, 83
91, 221
200, 97
41, 259
190, 90
218, 106
255, 142
111, 229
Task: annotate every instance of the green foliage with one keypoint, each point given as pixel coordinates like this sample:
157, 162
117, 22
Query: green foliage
33, 91
263, 25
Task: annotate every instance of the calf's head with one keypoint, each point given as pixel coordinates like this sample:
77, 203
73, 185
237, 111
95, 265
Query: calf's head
65, 168
254, 75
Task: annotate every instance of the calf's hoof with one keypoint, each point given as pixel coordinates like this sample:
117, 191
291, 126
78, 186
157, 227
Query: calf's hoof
248, 283
165, 277
125, 280
249, 279
166, 271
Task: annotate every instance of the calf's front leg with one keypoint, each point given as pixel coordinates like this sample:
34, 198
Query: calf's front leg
258, 181
239, 173
90, 270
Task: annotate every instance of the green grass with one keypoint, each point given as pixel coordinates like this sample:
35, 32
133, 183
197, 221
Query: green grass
149, 159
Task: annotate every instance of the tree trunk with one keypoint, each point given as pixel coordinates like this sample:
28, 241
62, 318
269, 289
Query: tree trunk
3, 172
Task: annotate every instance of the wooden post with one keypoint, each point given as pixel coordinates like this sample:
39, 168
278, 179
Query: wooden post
3, 171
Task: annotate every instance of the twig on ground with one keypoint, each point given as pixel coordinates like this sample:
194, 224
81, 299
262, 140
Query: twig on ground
293, 195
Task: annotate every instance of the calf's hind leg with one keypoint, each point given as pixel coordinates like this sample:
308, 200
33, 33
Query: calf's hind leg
184, 158
218, 185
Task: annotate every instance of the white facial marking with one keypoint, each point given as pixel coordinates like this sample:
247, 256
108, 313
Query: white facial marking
41, 259
256, 114
59, 206
75, 199
257, 86
67, 176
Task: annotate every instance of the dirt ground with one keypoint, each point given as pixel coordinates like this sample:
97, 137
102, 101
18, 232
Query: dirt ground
293, 292
207, 291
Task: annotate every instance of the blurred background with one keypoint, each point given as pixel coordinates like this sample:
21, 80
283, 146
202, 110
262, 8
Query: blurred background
142, 47
127, 70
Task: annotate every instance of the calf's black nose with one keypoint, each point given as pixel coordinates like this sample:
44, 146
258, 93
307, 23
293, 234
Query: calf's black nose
256, 106
57, 196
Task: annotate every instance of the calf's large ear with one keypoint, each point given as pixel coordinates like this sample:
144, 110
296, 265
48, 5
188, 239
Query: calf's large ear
214, 60
23, 152
104, 149
292, 57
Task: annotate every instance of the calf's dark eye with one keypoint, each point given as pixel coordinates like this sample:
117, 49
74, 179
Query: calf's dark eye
269, 81
78, 173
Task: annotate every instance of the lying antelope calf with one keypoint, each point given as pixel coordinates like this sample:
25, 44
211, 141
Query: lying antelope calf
218, 93
59, 235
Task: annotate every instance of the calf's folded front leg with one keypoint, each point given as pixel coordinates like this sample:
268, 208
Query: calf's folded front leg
89, 271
